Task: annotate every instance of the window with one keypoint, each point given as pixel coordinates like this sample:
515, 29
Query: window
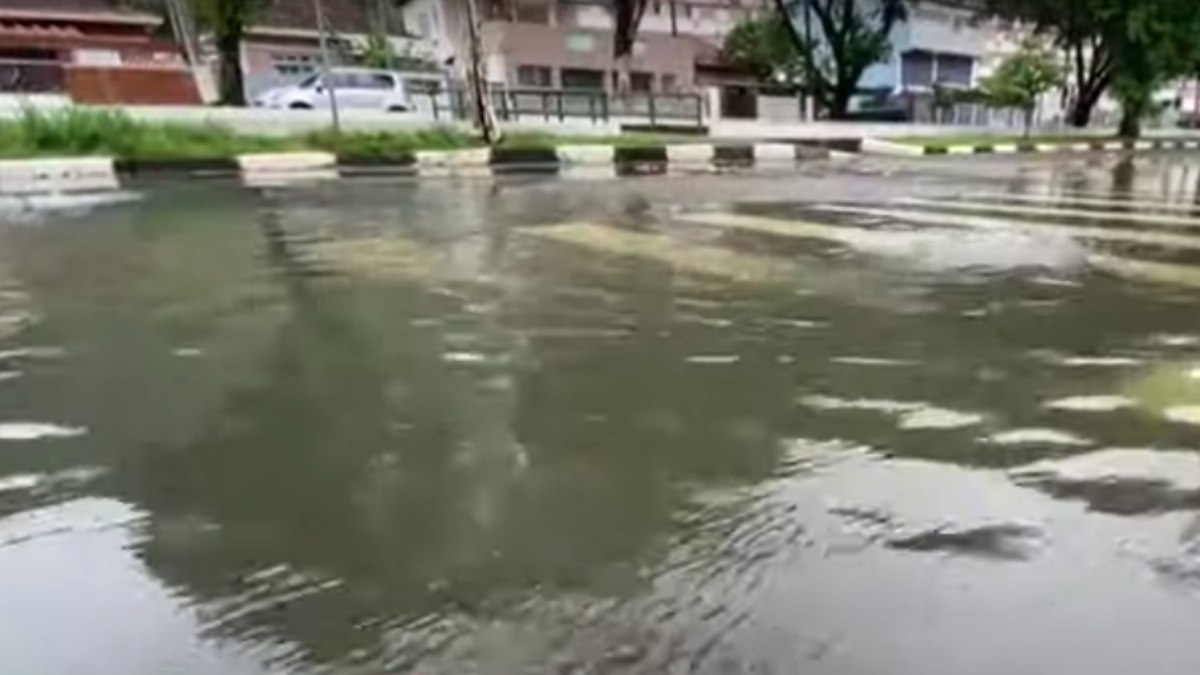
581, 42
688, 10
954, 69
377, 81
916, 69
668, 83
642, 83
534, 76
294, 64
533, 11
657, 7
579, 78
343, 80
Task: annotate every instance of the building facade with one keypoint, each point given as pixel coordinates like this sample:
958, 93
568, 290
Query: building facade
283, 45
941, 43
92, 51
568, 44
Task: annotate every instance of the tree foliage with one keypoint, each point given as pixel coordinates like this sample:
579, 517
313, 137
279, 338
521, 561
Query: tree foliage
1132, 47
763, 47
1153, 41
838, 40
1022, 78
1076, 27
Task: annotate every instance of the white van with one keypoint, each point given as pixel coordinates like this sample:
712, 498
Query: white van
359, 88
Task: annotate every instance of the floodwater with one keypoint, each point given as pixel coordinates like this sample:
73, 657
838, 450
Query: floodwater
873, 418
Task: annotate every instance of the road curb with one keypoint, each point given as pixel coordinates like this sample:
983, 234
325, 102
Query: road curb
67, 174
278, 168
879, 147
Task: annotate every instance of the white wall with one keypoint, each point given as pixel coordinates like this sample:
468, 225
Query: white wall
779, 108
428, 19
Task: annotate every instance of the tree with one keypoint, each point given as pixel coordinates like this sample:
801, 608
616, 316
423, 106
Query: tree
628, 17
1022, 78
848, 37
1134, 47
1077, 27
1152, 42
763, 47
227, 19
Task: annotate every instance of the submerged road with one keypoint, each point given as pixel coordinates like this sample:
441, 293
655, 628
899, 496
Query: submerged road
938, 416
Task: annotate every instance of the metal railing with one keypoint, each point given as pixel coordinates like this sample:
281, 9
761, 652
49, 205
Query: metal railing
574, 104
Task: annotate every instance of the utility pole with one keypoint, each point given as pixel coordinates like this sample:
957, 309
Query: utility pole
810, 107
327, 76
182, 27
484, 117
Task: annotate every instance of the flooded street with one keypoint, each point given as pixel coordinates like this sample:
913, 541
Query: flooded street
876, 418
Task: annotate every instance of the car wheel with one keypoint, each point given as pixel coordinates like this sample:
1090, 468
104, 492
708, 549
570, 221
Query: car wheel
299, 106
397, 108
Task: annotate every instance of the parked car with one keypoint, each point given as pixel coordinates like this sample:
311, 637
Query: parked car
357, 88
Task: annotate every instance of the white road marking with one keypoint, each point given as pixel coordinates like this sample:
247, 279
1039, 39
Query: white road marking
1142, 218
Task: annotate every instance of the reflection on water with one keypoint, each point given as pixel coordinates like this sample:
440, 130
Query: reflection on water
367, 427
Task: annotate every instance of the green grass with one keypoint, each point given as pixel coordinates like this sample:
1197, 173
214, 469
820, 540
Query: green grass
384, 145
998, 139
541, 139
82, 132
74, 131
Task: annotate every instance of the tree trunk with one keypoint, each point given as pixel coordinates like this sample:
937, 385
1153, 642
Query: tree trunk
1085, 102
839, 100
1028, 119
1080, 114
1131, 122
485, 116
233, 88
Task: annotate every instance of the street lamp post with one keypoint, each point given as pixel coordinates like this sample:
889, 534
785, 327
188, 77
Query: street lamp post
327, 77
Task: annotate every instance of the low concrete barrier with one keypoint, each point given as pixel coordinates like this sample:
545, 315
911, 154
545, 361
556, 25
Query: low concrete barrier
275, 162
774, 152
690, 153
38, 176
874, 146
591, 155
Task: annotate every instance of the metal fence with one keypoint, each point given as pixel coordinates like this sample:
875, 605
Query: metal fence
983, 115
574, 104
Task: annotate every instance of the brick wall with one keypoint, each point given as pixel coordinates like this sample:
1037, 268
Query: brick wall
144, 86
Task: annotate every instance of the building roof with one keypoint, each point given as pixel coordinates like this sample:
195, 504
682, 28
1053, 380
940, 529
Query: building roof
95, 11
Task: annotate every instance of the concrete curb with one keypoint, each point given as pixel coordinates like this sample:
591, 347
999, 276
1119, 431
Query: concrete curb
36, 176
878, 147
875, 146
93, 174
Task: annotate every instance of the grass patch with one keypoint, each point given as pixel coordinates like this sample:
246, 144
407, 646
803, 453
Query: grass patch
540, 139
74, 132
984, 139
83, 132
388, 145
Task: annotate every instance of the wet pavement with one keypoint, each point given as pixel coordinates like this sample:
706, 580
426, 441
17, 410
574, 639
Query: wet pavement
878, 417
